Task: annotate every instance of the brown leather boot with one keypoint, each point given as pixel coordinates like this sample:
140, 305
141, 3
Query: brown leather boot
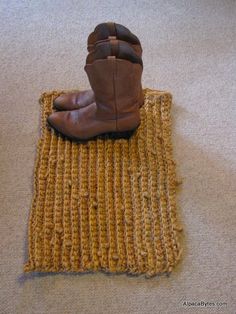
118, 95
103, 32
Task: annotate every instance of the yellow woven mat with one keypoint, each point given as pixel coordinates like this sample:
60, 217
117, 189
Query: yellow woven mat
106, 204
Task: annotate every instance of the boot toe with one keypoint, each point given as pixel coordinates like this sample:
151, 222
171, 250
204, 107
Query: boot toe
65, 123
56, 120
60, 102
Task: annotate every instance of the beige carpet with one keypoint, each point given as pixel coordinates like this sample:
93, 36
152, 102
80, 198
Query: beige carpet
189, 49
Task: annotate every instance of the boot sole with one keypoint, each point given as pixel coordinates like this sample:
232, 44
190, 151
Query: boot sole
103, 136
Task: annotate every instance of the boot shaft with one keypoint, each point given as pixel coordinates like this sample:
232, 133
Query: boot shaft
117, 87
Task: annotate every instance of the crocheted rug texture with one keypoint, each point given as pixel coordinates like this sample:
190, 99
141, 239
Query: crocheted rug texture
106, 204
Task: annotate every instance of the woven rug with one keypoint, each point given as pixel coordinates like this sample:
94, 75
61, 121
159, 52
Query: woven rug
106, 204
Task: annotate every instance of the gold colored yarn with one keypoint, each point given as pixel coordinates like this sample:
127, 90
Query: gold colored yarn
106, 204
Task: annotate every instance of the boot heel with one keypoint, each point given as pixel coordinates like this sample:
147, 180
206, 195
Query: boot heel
116, 135
120, 135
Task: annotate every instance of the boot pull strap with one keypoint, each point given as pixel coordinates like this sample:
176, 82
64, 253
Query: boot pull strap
114, 46
112, 28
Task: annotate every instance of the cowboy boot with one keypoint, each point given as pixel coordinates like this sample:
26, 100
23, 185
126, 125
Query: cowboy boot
118, 95
76, 100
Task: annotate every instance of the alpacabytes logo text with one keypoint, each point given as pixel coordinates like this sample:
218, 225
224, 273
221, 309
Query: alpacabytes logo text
202, 303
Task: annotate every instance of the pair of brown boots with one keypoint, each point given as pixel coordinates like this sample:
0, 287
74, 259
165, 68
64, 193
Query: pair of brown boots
114, 68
